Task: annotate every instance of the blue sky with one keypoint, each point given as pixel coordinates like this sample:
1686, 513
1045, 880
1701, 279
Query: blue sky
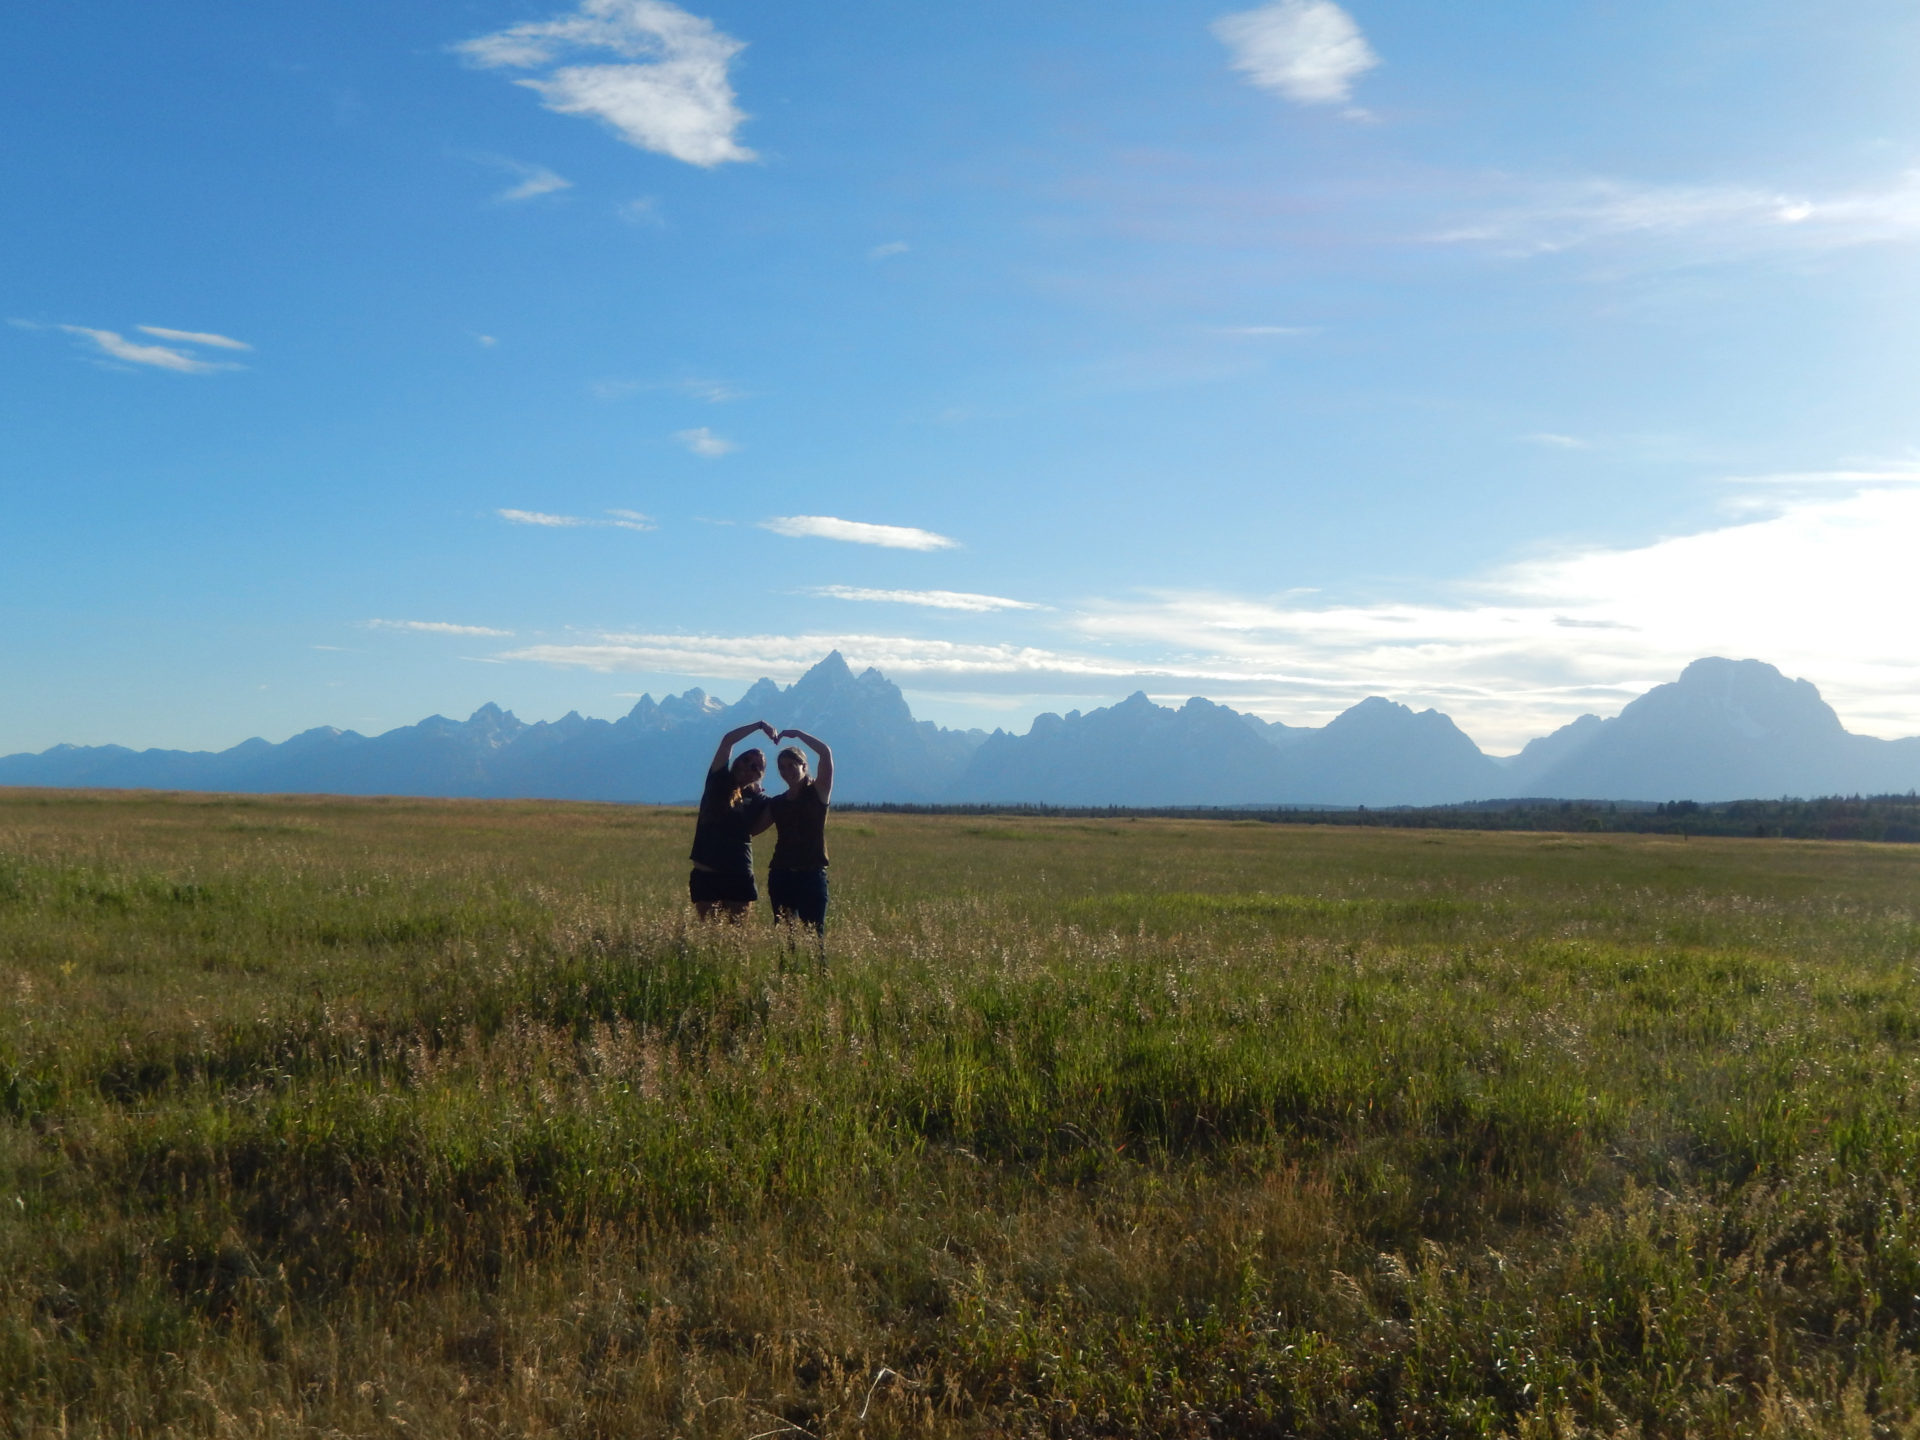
367, 361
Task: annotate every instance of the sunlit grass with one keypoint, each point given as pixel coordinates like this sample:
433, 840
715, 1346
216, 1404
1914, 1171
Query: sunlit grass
330, 1116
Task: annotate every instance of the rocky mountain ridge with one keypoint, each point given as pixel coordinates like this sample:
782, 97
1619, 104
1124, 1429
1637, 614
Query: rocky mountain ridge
1723, 730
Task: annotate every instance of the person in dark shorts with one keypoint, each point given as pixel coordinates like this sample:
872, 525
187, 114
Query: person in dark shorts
797, 878
732, 811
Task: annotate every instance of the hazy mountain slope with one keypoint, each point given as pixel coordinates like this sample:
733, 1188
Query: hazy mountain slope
1133, 753
1377, 753
1381, 753
658, 752
1525, 770
1725, 730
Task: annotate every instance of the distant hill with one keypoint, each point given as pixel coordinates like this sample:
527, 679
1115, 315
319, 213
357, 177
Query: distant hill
1139, 753
1725, 730
656, 753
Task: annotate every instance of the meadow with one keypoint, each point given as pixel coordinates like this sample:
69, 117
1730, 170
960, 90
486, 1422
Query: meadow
330, 1117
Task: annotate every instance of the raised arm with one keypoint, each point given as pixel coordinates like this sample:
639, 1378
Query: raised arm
823, 772
724, 754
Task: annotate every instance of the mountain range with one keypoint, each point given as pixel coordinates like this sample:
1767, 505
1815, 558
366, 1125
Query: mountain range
1725, 730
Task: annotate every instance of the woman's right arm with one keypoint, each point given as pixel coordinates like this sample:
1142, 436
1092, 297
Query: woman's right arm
724, 754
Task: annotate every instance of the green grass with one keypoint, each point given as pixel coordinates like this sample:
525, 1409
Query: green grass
326, 1117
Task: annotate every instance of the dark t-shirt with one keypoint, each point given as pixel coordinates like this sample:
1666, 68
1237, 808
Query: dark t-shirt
800, 829
723, 835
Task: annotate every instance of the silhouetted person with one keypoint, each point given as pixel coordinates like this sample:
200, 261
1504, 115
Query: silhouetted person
797, 878
732, 811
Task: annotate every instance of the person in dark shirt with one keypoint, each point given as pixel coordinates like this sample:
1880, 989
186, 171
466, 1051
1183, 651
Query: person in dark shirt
732, 811
797, 878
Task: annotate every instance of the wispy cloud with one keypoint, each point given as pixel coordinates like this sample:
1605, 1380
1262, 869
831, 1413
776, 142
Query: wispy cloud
930, 599
786, 656
668, 92
1809, 579
1725, 218
858, 532
888, 250
1809, 572
1557, 442
158, 357
1309, 51
194, 337
1264, 332
713, 392
614, 520
437, 627
702, 441
642, 212
535, 181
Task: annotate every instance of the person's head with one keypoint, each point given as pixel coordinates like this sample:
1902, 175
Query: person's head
793, 766
749, 768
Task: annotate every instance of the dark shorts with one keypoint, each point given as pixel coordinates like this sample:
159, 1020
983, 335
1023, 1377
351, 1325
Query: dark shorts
801, 894
714, 893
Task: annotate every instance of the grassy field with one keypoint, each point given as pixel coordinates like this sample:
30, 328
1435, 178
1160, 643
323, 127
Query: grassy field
348, 1117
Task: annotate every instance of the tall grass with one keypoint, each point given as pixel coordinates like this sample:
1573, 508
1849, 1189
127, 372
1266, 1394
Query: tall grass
357, 1117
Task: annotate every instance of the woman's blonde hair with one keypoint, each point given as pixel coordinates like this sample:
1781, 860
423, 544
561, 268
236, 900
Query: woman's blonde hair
734, 770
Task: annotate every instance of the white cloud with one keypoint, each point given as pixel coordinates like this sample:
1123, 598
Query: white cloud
671, 94
1809, 571
930, 599
159, 357
714, 392
1310, 51
1810, 580
535, 181
435, 627
642, 212
857, 532
619, 520
888, 250
738, 657
194, 337
702, 441
1558, 442
486, 342
1266, 331
1737, 218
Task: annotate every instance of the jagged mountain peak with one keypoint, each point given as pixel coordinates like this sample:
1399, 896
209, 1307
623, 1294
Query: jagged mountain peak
1724, 729
762, 693
833, 666
690, 706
